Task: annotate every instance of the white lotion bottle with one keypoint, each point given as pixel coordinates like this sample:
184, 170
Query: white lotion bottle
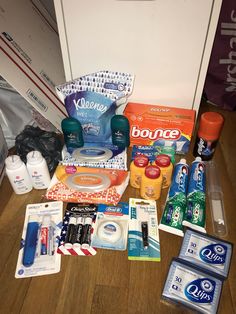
18, 175
38, 170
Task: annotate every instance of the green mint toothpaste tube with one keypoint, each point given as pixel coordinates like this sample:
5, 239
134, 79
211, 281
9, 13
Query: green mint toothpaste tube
176, 202
195, 213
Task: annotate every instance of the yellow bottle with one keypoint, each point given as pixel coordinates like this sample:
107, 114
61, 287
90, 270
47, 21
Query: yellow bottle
164, 163
151, 183
137, 168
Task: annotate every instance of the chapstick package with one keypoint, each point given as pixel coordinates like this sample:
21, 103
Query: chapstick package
77, 229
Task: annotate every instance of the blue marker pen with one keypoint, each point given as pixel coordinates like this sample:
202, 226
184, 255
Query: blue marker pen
31, 241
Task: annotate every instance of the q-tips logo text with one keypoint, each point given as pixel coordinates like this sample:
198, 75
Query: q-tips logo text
200, 290
81, 103
214, 254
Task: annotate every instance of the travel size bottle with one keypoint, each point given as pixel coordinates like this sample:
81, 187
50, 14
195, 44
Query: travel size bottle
38, 170
137, 169
151, 183
164, 163
18, 175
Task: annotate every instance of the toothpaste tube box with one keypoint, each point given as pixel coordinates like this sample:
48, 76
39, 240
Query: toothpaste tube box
160, 126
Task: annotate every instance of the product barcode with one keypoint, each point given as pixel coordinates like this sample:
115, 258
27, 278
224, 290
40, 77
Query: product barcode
47, 79
37, 101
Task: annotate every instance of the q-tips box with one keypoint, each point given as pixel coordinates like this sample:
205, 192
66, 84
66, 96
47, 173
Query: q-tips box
160, 126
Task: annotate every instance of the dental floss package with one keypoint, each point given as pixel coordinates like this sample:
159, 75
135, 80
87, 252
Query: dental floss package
77, 229
208, 252
111, 227
93, 99
87, 185
143, 234
103, 156
192, 287
38, 251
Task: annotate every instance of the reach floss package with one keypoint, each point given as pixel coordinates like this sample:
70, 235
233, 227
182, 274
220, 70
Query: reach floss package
38, 251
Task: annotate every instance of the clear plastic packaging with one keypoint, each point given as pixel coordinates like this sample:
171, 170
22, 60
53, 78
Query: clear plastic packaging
216, 200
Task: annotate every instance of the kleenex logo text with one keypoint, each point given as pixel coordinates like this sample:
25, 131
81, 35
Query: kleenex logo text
81, 103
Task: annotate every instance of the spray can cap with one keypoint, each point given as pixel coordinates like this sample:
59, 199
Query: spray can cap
210, 125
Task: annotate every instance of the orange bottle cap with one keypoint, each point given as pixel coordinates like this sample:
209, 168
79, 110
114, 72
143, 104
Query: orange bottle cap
162, 160
152, 172
141, 161
210, 126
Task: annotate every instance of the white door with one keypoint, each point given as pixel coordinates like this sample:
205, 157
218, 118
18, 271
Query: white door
166, 44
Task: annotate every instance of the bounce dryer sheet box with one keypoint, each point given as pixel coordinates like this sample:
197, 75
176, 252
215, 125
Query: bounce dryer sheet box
160, 126
87, 185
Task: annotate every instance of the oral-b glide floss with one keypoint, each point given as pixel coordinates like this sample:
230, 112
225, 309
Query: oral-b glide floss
111, 227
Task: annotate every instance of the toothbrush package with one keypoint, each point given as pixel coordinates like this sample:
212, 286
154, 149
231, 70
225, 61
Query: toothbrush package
38, 251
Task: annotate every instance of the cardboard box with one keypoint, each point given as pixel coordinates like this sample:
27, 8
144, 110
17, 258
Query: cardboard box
3, 154
160, 125
30, 57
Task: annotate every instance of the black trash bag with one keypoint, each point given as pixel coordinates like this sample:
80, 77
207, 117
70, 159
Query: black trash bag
48, 143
